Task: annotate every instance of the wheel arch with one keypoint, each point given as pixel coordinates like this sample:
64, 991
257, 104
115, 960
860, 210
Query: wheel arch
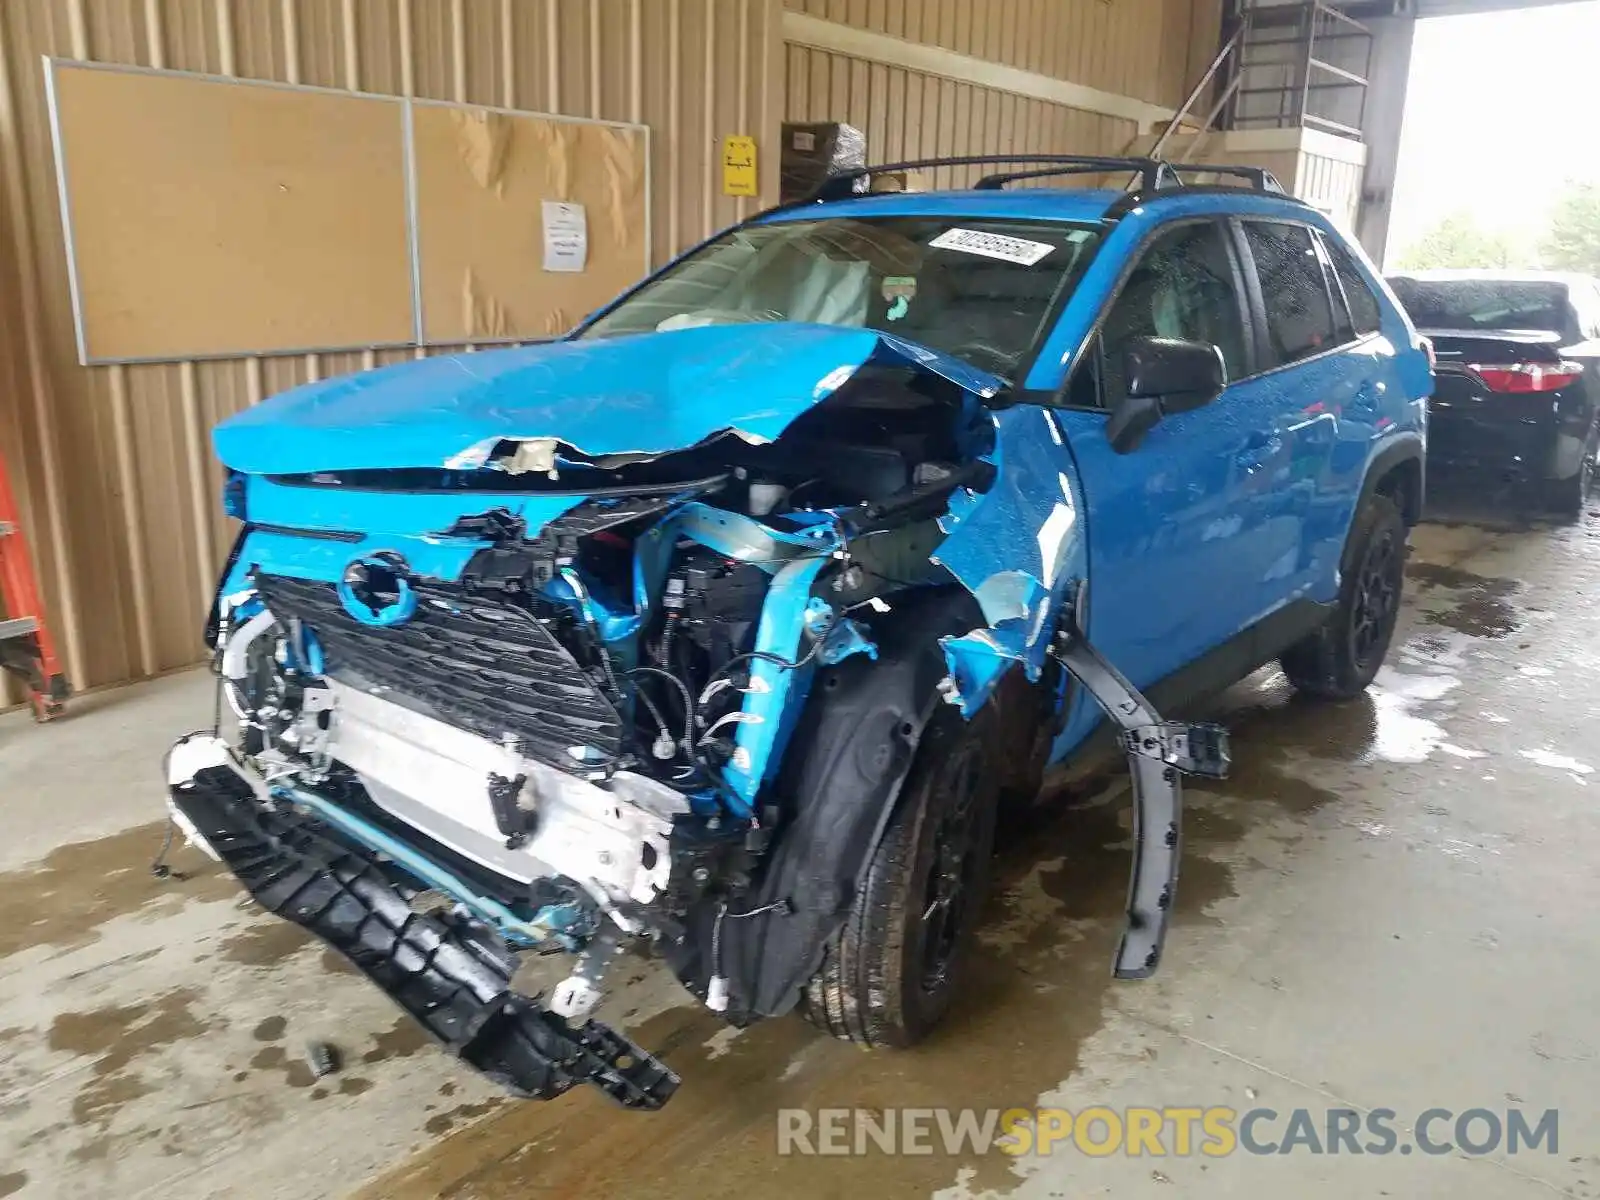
840, 782
1397, 471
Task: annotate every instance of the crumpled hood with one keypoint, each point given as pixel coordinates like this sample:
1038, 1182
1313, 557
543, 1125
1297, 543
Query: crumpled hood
642, 393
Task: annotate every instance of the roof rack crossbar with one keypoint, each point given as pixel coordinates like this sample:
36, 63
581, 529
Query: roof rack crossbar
1261, 179
1149, 174
841, 184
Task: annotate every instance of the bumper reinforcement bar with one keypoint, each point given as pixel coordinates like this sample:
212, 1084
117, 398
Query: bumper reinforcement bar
451, 973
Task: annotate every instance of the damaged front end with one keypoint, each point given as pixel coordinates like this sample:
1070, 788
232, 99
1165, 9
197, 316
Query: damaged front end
564, 693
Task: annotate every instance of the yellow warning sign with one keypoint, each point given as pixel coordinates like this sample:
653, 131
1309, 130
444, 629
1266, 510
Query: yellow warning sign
738, 165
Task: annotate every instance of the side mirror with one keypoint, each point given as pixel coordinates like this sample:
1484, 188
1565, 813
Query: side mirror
1164, 376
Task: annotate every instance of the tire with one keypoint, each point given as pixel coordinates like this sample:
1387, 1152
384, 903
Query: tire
1568, 496
888, 976
1339, 660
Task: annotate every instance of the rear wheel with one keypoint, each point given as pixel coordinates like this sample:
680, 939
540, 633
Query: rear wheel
1340, 659
1568, 496
889, 974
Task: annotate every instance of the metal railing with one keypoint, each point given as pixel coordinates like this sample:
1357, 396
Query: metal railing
1294, 47
1300, 65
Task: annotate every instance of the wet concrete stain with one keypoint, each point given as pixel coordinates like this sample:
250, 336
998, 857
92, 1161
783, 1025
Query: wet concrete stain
108, 1146
335, 963
270, 1030
13, 1182
117, 1037
443, 1123
265, 945
64, 899
401, 1040
1481, 610
296, 1071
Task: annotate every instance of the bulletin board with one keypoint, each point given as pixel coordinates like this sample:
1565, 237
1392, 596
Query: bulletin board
483, 177
210, 217
206, 217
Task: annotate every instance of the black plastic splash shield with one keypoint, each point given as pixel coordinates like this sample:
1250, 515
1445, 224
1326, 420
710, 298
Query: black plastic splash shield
450, 973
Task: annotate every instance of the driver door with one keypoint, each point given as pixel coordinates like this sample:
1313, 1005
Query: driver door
1173, 526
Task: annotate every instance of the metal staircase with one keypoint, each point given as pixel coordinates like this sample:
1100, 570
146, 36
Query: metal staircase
1299, 65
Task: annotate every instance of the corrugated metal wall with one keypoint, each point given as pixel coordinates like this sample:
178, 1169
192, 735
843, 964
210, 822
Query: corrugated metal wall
906, 114
118, 485
1151, 50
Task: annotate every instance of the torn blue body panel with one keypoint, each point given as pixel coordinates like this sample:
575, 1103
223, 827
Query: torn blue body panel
1017, 548
638, 394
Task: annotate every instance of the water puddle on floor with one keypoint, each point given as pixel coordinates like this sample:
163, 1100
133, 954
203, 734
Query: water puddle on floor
1401, 734
1559, 762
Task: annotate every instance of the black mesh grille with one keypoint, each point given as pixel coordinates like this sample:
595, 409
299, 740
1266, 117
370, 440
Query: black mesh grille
476, 663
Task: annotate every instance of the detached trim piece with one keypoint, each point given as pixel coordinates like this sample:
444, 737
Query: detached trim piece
1157, 752
450, 973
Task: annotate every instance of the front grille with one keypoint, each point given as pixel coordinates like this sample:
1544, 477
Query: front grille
476, 663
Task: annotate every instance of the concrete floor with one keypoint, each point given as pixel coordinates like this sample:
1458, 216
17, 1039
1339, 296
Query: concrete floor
1390, 904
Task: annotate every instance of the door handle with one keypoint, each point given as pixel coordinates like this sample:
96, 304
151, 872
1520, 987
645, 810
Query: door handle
1368, 398
1259, 449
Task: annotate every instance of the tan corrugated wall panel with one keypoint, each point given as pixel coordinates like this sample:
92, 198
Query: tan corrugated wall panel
906, 114
119, 489
1152, 50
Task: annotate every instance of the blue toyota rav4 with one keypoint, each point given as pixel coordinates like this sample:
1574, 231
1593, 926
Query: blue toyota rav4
722, 625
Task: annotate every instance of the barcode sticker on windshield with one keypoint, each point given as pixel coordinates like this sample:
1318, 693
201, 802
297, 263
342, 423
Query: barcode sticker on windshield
992, 245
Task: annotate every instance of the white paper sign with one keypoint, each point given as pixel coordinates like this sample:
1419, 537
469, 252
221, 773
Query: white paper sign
992, 245
566, 236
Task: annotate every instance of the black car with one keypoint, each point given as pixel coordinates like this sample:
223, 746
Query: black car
1516, 405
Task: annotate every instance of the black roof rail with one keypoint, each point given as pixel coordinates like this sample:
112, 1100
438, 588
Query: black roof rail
1151, 174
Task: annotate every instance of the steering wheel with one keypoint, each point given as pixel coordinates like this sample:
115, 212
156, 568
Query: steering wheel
989, 358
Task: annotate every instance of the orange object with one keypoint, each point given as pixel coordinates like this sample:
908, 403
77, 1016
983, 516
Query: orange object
26, 648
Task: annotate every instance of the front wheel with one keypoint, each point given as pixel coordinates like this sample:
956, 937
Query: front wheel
1340, 659
889, 974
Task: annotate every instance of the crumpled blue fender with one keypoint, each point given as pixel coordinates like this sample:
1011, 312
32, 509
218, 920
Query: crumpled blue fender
1017, 548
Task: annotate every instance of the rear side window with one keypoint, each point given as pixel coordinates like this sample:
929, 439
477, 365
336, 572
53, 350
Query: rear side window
1299, 314
1363, 305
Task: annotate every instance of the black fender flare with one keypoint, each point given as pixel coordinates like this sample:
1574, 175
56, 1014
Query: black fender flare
1402, 448
838, 786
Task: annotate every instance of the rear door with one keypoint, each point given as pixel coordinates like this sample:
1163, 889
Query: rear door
1169, 539
1328, 368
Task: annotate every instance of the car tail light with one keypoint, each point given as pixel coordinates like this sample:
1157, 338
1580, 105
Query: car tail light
1526, 377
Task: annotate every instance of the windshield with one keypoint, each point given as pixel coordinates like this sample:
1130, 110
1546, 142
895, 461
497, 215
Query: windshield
978, 289
1466, 304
